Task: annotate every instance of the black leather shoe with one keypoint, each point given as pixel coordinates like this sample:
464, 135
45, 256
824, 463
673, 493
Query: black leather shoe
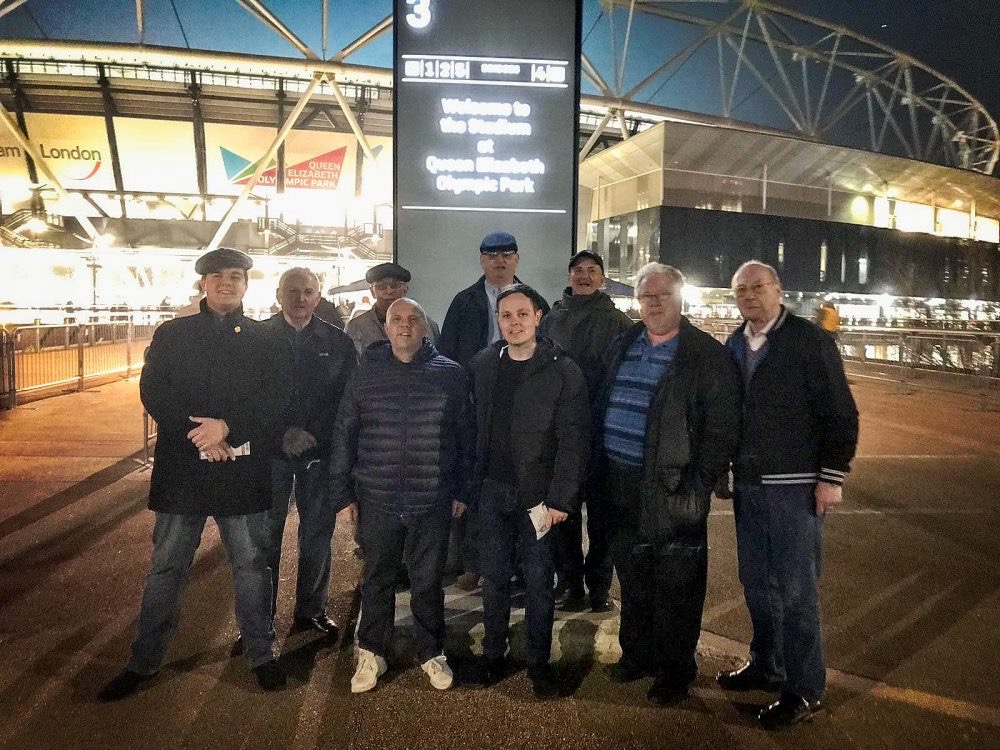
572, 599
122, 686
626, 671
270, 675
790, 709
493, 669
320, 623
664, 692
600, 604
237, 649
746, 677
543, 681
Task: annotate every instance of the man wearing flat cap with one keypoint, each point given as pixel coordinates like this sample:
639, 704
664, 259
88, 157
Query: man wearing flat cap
470, 325
216, 383
389, 282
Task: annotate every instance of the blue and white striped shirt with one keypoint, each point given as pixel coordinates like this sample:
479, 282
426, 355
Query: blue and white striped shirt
625, 421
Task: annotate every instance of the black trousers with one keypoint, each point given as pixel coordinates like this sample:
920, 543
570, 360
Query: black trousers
663, 585
597, 569
424, 538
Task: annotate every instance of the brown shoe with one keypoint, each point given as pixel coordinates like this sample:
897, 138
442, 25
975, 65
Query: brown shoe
468, 581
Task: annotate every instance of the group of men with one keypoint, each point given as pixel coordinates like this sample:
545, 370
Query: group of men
497, 434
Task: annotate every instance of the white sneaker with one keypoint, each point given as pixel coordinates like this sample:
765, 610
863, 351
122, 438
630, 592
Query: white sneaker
438, 670
370, 668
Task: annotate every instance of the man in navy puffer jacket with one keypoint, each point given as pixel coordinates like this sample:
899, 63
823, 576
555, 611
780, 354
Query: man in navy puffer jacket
400, 467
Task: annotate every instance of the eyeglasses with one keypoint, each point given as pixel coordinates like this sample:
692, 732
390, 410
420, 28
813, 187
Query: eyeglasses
385, 286
502, 254
756, 289
662, 298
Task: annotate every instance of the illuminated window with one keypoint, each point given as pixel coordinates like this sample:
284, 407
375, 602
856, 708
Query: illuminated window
863, 269
952, 223
987, 230
781, 255
822, 260
914, 217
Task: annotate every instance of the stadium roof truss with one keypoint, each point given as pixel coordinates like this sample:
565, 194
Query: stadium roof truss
778, 72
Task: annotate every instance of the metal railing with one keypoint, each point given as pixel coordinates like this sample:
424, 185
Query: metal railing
7, 393
73, 355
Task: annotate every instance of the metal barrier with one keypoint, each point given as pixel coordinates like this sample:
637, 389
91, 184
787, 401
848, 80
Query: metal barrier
70, 355
8, 394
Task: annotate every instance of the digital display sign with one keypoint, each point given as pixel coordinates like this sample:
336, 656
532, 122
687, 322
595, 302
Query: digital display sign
486, 126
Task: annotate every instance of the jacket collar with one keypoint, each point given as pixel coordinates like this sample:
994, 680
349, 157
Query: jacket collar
230, 316
381, 351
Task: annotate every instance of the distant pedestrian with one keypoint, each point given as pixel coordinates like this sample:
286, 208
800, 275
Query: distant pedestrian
800, 433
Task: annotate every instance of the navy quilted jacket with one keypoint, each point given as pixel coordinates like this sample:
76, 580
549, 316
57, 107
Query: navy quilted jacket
404, 438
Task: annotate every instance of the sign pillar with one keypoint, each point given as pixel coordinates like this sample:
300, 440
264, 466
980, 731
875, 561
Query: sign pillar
485, 139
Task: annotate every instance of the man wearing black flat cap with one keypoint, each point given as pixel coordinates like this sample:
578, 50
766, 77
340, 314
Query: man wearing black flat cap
216, 383
389, 282
470, 326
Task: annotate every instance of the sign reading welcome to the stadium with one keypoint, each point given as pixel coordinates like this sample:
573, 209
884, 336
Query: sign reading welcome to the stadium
486, 98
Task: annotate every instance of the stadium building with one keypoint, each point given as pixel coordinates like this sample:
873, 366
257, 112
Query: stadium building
862, 174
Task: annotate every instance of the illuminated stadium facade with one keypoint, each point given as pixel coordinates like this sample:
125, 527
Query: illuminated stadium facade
756, 132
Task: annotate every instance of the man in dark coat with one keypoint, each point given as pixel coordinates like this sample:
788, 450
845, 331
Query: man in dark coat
400, 469
470, 325
217, 384
800, 434
532, 446
585, 323
322, 357
671, 426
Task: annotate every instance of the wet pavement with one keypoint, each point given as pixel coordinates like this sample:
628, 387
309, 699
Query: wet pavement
910, 601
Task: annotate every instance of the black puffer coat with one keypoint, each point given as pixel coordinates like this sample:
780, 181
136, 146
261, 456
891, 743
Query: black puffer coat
550, 427
403, 440
231, 368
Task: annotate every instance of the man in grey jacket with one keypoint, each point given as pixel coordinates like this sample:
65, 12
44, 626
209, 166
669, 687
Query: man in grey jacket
389, 282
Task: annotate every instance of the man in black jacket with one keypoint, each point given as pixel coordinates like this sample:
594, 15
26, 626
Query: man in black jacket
800, 434
531, 449
585, 323
217, 384
322, 358
671, 426
400, 468
470, 325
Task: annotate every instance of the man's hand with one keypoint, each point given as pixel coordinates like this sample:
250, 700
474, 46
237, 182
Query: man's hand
297, 441
556, 516
219, 452
826, 495
208, 432
457, 509
348, 515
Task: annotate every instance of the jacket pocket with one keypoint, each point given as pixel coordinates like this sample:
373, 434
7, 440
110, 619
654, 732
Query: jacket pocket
669, 516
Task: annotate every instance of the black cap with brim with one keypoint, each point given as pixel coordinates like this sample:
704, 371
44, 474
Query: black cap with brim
586, 255
224, 257
384, 271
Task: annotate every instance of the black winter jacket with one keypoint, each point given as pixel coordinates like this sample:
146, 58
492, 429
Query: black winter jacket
234, 369
322, 362
403, 440
586, 326
550, 438
466, 328
800, 422
693, 422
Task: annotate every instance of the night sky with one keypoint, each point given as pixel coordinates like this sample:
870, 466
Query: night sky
959, 38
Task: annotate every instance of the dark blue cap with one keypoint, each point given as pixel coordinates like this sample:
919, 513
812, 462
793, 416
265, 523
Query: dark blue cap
498, 242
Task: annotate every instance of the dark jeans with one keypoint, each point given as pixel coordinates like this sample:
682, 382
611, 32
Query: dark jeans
503, 525
384, 536
597, 568
176, 536
463, 545
663, 585
779, 539
317, 519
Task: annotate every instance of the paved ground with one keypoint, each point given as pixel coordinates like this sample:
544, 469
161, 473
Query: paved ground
910, 599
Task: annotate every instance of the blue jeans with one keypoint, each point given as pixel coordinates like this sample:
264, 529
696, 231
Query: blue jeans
503, 525
384, 537
779, 539
317, 519
175, 538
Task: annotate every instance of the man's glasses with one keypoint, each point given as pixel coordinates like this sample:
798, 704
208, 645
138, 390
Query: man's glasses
385, 286
755, 289
649, 298
503, 254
